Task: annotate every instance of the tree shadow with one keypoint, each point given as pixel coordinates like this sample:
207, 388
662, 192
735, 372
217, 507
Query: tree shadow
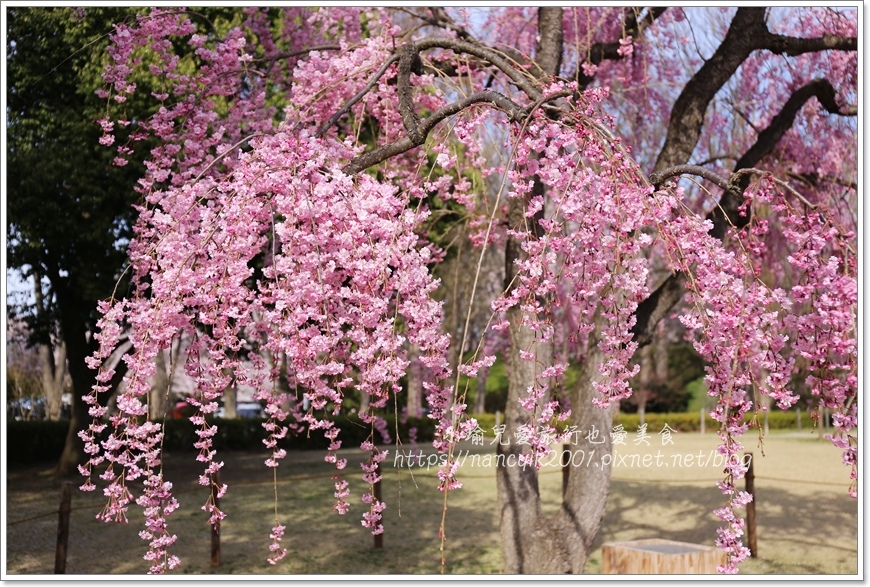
800, 525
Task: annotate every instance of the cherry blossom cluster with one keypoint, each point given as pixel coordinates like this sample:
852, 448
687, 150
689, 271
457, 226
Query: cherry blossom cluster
822, 309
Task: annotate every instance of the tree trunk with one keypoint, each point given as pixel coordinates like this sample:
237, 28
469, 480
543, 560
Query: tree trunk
480, 391
53, 373
53, 369
415, 382
158, 400
83, 380
79, 345
231, 399
532, 542
557, 544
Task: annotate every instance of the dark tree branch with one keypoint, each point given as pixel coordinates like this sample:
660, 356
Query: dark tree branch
409, 62
785, 45
767, 139
748, 32
440, 18
514, 111
655, 307
687, 115
658, 178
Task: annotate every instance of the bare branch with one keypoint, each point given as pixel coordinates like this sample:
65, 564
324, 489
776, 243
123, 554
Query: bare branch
767, 139
658, 178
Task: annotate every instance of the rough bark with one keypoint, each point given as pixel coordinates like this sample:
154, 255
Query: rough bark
53, 369
415, 382
158, 400
532, 542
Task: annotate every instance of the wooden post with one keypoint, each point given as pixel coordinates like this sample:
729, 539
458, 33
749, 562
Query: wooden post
703, 421
63, 528
751, 533
799, 419
376, 490
566, 467
215, 529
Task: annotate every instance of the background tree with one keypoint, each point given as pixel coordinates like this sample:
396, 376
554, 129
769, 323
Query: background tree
285, 200
69, 209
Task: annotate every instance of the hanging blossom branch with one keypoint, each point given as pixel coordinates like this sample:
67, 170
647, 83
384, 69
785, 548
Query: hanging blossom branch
342, 279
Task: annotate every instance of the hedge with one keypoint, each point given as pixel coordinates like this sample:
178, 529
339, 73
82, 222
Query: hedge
34, 442
42, 441
680, 422
683, 422
39, 442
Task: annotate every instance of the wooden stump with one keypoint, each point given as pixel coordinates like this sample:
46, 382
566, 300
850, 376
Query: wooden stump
659, 557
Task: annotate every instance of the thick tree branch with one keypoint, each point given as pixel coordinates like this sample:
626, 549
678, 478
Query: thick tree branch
767, 139
514, 111
784, 45
687, 115
409, 62
656, 306
658, 178
748, 32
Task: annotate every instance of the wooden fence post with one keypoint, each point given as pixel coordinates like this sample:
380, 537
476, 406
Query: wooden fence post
751, 533
63, 528
215, 529
379, 538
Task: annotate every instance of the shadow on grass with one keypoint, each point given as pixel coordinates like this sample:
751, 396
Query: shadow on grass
800, 529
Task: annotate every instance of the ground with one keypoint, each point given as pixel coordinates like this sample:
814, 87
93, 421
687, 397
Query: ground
807, 523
